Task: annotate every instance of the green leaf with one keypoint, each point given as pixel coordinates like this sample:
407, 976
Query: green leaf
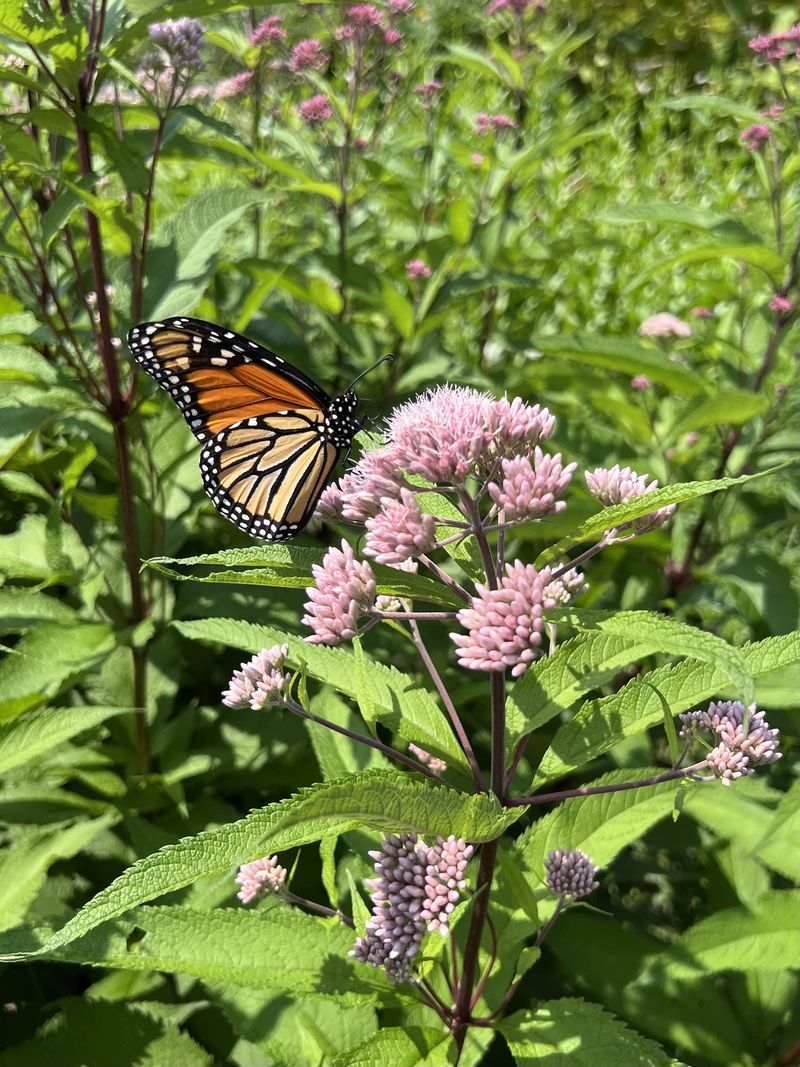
714, 105
733, 407
459, 219
778, 847
694, 218
50, 653
572, 1032
184, 246
599, 724
380, 800
762, 937
407, 1046
643, 505
407, 708
400, 311
39, 731
289, 567
477, 62
620, 354
22, 608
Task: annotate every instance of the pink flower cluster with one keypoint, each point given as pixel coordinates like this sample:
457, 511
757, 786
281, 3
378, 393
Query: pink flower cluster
755, 136
776, 46
428, 91
316, 110
530, 485
307, 55
780, 303
260, 681
344, 591
417, 268
399, 531
260, 878
234, 86
271, 29
618, 485
438, 766
665, 324
485, 124
745, 739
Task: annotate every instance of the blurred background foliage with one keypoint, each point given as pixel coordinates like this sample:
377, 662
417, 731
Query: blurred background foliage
621, 190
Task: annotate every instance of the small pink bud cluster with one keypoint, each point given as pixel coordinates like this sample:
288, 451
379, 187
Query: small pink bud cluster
745, 739
307, 55
428, 91
234, 86
260, 878
618, 485
563, 590
181, 39
260, 681
755, 137
345, 590
530, 485
570, 873
270, 29
438, 766
780, 303
776, 46
316, 110
665, 324
485, 124
399, 531
416, 888
417, 268
505, 625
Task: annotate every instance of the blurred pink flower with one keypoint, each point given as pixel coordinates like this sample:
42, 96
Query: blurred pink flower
271, 29
316, 110
234, 86
344, 591
702, 313
417, 268
691, 438
640, 382
514, 426
514, 5
780, 303
363, 21
487, 123
772, 46
665, 324
360, 144
774, 111
401, 7
393, 38
505, 625
307, 54
755, 136
427, 91
477, 159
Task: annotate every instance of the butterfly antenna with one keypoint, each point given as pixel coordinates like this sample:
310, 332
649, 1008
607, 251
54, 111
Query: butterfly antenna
384, 359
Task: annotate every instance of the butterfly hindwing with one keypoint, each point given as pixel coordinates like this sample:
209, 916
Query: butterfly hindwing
217, 377
264, 474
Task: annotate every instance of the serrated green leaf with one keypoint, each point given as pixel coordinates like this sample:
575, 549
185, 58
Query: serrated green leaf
381, 800
620, 354
404, 706
733, 407
572, 1032
38, 731
407, 1046
689, 215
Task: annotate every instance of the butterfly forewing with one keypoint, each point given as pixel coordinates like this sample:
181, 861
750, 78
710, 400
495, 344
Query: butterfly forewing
271, 435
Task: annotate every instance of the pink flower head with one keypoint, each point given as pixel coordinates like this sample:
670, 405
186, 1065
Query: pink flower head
260, 681
617, 485
260, 878
563, 590
181, 39
442, 434
399, 531
502, 122
401, 7
505, 625
417, 268
487, 123
234, 86
364, 21
345, 591
316, 110
444, 881
516, 427
665, 324
702, 313
745, 738
427, 92
438, 766
755, 136
364, 489
772, 46
528, 489
691, 438
774, 111
780, 303
306, 55
271, 29
393, 38
477, 159
640, 382
570, 873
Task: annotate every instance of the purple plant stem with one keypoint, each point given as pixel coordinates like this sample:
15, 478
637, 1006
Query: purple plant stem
450, 707
320, 909
589, 791
387, 750
445, 578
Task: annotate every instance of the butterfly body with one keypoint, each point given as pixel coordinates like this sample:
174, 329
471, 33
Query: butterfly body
271, 436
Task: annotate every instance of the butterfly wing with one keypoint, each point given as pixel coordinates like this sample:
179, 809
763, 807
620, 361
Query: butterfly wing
265, 473
217, 377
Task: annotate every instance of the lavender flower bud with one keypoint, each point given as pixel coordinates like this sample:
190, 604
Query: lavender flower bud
529, 489
563, 590
571, 873
745, 737
180, 39
444, 880
260, 681
505, 624
344, 592
260, 878
438, 766
399, 531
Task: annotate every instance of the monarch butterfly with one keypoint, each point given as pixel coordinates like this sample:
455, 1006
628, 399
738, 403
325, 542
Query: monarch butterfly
271, 436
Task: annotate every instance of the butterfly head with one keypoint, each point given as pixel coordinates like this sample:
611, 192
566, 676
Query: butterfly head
342, 423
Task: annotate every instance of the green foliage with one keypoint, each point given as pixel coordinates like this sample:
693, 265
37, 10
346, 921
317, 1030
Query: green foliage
621, 189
